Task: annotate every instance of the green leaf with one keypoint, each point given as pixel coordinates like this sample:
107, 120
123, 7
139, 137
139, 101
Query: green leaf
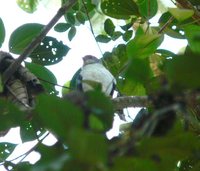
165, 150
116, 60
102, 38
127, 35
71, 33
80, 17
29, 6
25, 166
109, 27
49, 52
139, 70
23, 36
70, 18
88, 145
2, 32
133, 164
127, 26
5, 150
148, 8
173, 29
44, 74
119, 9
62, 27
10, 115
192, 32
181, 14
60, 116
52, 158
143, 45
131, 88
183, 71
116, 35
101, 108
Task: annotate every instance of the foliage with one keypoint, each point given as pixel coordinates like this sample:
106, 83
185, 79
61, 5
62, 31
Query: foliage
164, 135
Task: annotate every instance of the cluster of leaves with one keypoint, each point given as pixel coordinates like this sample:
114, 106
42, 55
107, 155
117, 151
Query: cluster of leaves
140, 68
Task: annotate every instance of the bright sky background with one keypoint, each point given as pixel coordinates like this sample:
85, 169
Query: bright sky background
81, 45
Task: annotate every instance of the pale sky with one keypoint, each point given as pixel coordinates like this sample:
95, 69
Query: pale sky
83, 44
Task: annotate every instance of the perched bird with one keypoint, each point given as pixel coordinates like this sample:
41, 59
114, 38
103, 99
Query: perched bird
93, 72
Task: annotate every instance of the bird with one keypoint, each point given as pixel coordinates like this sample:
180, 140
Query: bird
94, 73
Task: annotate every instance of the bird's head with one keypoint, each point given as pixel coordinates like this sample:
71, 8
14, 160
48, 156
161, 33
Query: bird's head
89, 59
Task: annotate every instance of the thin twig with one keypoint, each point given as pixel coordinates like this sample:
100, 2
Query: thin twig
41, 79
166, 24
24, 155
91, 27
29, 49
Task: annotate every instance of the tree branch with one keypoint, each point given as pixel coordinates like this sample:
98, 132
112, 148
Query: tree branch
29, 49
130, 101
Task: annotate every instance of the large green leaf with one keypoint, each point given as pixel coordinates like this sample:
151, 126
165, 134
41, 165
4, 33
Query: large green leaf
192, 32
133, 164
119, 9
101, 108
52, 158
2, 32
183, 71
181, 14
50, 51
167, 151
148, 8
91, 148
10, 115
131, 88
22, 36
29, 6
143, 45
47, 78
58, 116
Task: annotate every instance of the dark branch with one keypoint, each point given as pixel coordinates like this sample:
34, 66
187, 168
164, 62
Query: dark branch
29, 49
130, 101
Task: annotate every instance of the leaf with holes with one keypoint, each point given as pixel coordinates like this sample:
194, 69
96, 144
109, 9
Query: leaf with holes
47, 78
50, 51
5, 150
2, 32
148, 8
23, 36
71, 33
173, 29
119, 9
29, 6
